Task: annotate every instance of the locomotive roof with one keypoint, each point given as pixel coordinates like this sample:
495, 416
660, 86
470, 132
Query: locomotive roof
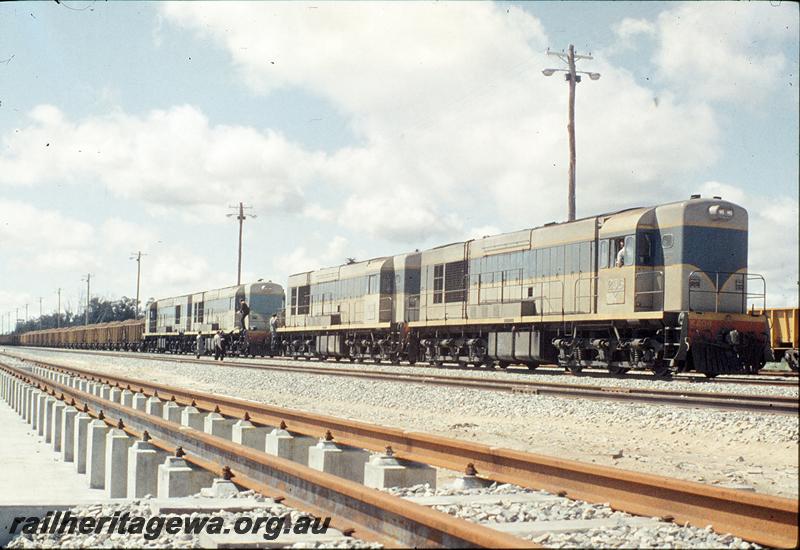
546, 225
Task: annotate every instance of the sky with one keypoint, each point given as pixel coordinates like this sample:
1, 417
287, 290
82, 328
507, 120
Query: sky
369, 129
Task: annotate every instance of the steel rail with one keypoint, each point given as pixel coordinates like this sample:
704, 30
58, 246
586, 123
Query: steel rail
725, 401
356, 509
765, 519
637, 375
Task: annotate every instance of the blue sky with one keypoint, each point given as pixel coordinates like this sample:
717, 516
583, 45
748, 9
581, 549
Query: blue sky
358, 130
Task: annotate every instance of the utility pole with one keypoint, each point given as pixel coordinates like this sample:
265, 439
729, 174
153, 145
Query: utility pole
572, 78
241, 217
138, 257
88, 280
58, 317
16, 320
40, 313
26, 314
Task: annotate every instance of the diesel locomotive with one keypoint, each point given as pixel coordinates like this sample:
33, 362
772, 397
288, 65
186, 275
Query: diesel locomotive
172, 324
664, 288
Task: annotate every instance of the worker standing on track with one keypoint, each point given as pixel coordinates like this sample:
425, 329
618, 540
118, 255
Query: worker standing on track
244, 309
273, 331
219, 347
200, 345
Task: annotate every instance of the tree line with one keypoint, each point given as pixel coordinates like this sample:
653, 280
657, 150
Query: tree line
100, 311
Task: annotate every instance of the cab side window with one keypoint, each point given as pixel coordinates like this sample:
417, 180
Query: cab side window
603, 254
630, 250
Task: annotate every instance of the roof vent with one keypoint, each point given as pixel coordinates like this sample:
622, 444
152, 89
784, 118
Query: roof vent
695, 197
718, 198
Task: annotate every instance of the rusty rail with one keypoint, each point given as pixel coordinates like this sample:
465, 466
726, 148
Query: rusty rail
765, 519
357, 510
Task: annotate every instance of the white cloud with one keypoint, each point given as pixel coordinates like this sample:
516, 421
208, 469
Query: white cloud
167, 158
706, 48
331, 252
457, 127
628, 30
126, 237
26, 227
454, 115
318, 213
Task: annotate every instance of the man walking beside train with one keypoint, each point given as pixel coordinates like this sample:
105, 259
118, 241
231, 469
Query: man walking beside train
219, 346
200, 347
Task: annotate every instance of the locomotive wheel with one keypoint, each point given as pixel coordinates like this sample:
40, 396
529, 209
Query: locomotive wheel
503, 364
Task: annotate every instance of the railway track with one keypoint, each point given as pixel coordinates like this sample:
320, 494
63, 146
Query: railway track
765, 378
369, 514
355, 510
722, 401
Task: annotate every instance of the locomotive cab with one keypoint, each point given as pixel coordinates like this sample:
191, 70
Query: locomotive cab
629, 277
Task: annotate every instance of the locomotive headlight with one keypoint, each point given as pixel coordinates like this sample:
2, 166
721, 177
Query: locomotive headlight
719, 212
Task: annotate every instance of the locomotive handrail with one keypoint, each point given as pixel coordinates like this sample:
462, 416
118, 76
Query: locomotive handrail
549, 298
746, 278
576, 297
502, 284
